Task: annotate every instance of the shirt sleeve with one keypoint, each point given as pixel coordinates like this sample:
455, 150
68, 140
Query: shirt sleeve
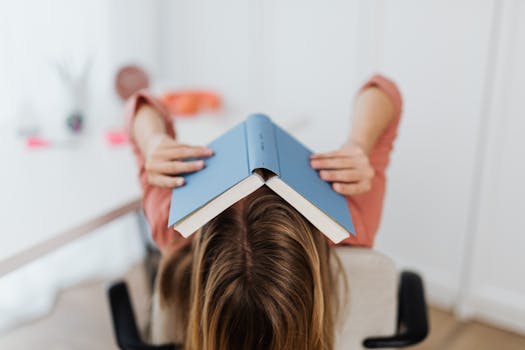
155, 200
366, 209
387, 86
145, 97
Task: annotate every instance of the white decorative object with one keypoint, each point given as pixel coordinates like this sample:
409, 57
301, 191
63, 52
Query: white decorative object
74, 79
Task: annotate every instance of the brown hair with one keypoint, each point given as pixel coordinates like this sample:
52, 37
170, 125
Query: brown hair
255, 277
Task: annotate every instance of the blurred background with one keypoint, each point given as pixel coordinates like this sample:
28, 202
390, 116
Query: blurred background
455, 201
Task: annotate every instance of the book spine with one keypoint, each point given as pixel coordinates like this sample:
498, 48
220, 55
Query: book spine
261, 143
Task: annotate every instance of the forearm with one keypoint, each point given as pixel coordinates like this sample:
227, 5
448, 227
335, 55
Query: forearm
148, 125
373, 111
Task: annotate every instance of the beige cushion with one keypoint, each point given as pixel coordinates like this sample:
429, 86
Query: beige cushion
372, 310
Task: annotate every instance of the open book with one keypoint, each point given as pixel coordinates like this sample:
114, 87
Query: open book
231, 174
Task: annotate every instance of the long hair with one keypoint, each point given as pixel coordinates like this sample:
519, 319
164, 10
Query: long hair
258, 276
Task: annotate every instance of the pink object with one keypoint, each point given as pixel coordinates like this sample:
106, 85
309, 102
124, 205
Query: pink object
365, 208
116, 137
37, 142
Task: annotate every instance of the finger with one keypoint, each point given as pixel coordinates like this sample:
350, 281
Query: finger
167, 142
345, 152
165, 181
334, 163
175, 167
193, 152
349, 189
337, 153
175, 144
344, 175
184, 152
161, 140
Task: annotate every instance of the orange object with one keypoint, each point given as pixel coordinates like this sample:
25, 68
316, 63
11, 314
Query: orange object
187, 104
209, 101
190, 103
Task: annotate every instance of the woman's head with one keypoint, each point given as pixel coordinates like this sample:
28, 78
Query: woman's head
256, 277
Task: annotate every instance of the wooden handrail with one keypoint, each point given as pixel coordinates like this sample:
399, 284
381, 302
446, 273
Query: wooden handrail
38, 250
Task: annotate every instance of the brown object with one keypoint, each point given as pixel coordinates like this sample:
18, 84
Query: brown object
130, 79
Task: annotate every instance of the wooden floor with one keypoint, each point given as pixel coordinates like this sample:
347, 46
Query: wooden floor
80, 320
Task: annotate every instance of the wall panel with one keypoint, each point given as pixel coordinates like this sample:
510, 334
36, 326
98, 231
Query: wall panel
437, 51
495, 287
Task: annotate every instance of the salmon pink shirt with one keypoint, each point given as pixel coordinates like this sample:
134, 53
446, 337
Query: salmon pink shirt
365, 208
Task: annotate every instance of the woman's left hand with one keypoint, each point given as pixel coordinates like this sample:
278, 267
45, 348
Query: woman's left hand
348, 168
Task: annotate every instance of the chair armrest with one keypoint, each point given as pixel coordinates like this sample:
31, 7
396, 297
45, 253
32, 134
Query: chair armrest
412, 323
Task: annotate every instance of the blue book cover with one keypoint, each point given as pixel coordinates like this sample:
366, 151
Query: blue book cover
258, 143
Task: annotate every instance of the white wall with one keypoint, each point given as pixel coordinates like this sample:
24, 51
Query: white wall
457, 216
270, 56
494, 288
35, 36
438, 53
303, 61
212, 44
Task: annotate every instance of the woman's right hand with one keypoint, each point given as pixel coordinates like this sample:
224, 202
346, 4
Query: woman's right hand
166, 158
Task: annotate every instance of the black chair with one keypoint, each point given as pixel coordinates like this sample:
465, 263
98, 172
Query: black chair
124, 324
412, 319
412, 325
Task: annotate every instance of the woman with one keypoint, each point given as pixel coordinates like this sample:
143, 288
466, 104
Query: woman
258, 276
